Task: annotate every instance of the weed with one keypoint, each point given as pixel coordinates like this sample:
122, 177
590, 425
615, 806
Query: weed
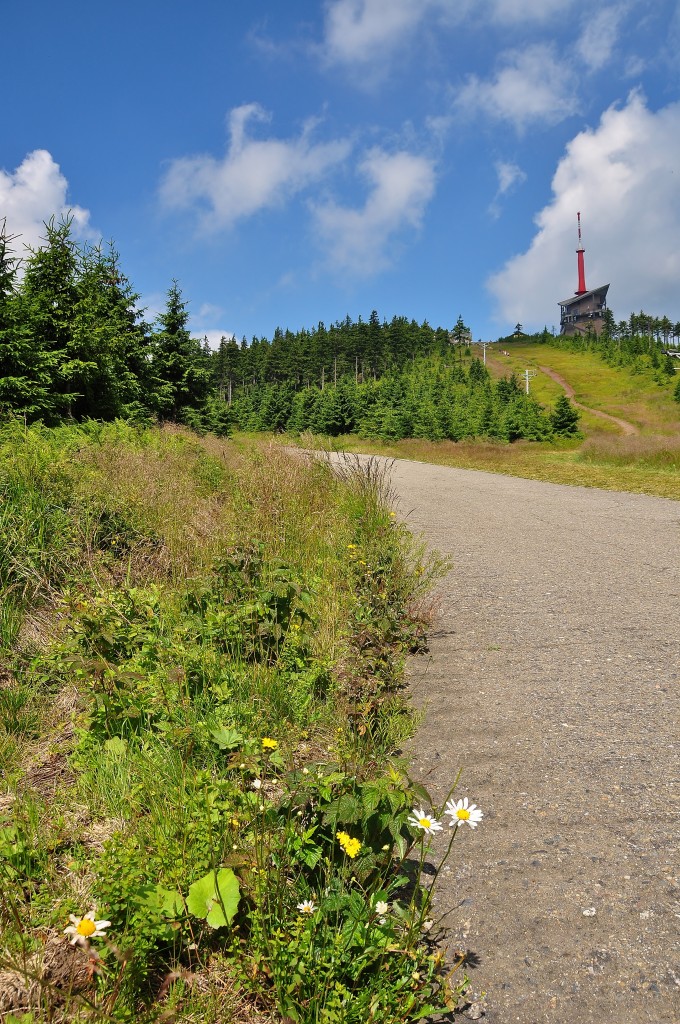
233, 623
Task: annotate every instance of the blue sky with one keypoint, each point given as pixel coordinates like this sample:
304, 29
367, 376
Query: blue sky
301, 161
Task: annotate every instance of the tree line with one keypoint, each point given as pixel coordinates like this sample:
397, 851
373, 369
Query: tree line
75, 345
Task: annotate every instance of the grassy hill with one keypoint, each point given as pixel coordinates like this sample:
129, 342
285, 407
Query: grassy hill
646, 459
643, 398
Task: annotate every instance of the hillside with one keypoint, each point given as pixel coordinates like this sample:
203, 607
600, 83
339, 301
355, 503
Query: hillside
640, 395
641, 453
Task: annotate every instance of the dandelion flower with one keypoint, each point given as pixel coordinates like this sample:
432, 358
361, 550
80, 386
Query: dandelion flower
381, 907
349, 845
419, 819
268, 743
82, 929
461, 810
307, 907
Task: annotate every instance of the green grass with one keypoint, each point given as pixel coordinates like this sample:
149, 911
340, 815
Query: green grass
644, 399
200, 687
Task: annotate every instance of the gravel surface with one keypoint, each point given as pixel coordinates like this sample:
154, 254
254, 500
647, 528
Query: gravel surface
552, 680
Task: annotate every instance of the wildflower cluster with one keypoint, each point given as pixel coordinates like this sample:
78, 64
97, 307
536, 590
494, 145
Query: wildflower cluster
349, 845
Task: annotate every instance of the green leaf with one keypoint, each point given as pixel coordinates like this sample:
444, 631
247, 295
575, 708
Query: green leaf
420, 793
167, 901
346, 809
215, 897
311, 857
116, 746
226, 739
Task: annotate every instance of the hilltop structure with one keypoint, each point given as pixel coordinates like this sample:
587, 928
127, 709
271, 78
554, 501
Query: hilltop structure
584, 311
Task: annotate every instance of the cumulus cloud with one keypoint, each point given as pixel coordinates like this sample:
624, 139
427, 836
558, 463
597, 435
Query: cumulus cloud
533, 85
204, 324
359, 241
623, 177
254, 174
34, 192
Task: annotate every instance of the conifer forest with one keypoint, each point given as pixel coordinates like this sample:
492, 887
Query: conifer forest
74, 345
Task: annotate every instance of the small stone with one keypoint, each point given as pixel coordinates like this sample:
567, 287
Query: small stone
589, 912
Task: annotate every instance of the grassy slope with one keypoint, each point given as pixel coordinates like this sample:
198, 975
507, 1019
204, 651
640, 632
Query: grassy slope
637, 398
648, 463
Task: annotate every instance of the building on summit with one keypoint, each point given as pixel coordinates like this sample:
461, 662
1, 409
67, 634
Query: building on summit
584, 311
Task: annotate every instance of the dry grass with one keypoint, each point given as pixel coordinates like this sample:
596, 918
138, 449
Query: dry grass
655, 451
601, 467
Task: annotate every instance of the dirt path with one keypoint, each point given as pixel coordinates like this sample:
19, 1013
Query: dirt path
552, 680
626, 427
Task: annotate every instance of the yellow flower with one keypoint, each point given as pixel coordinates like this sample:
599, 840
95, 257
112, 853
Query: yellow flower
269, 744
349, 845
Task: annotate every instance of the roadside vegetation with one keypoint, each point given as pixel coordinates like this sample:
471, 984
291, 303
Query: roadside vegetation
202, 817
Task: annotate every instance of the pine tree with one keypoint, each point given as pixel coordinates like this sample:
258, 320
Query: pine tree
47, 299
25, 377
180, 380
107, 338
564, 418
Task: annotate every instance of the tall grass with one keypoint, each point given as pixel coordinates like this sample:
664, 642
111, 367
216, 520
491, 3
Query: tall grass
200, 672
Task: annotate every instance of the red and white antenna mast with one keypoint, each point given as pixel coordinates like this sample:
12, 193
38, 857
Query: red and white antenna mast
581, 262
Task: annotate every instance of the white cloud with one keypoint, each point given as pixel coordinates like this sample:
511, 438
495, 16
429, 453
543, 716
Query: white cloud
254, 174
533, 86
367, 31
358, 239
509, 176
209, 311
32, 194
202, 324
624, 177
599, 36
214, 337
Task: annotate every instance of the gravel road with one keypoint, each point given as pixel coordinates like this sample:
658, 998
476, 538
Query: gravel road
552, 680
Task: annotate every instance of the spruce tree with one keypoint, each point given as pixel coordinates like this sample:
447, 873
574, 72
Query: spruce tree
179, 378
47, 299
25, 378
564, 418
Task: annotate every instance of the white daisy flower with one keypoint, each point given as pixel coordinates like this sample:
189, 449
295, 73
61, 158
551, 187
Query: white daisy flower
419, 819
307, 907
461, 810
82, 929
